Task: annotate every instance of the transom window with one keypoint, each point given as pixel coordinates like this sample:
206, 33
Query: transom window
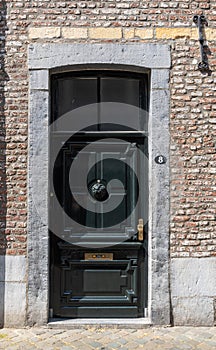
77, 89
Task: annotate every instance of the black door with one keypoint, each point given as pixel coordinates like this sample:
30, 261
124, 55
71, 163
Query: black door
98, 254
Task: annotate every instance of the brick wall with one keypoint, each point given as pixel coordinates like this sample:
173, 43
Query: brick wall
193, 103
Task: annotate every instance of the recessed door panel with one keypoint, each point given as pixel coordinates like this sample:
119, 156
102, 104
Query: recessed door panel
117, 166
99, 283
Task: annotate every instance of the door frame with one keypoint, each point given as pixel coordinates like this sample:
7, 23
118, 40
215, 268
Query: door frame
136, 57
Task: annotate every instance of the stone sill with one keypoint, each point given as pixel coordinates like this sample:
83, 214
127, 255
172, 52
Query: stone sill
135, 323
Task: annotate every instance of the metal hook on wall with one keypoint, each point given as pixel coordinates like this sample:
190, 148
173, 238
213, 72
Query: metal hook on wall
200, 21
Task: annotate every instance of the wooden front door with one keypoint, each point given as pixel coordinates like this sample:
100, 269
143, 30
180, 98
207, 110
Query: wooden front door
98, 268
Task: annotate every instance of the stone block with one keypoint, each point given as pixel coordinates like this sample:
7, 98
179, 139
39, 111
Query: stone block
39, 80
2, 268
144, 33
38, 172
12, 290
128, 33
105, 33
160, 124
74, 33
15, 304
12, 268
193, 277
52, 55
176, 33
160, 79
2, 304
210, 34
193, 311
44, 33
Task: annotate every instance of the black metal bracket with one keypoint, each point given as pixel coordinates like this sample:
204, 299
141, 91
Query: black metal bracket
201, 21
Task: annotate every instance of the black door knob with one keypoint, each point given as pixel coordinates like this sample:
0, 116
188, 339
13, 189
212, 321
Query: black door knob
98, 191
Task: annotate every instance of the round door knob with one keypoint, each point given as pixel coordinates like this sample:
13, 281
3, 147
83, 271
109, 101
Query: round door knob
98, 191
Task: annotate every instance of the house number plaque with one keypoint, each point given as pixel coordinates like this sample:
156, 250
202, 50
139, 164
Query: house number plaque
160, 159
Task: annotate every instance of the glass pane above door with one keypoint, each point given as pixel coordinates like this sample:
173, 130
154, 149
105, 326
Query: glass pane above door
106, 97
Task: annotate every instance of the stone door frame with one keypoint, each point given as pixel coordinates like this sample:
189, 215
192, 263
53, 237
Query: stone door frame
42, 60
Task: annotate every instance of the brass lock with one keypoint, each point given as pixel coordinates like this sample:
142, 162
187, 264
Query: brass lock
140, 229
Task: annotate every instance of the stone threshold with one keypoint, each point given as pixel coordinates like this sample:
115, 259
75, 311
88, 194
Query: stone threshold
99, 323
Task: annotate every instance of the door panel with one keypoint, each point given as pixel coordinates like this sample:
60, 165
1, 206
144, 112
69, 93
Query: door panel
100, 288
98, 183
116, 165
94, 285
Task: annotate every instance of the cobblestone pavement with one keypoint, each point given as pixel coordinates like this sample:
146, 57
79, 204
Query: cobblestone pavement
170, 338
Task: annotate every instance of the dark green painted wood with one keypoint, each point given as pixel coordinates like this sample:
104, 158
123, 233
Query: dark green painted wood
118, 287
89, 287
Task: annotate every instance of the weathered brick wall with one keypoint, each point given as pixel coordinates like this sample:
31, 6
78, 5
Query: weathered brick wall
2, 134
193, 107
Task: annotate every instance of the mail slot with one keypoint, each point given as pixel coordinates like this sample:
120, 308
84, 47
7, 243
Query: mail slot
98, 256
